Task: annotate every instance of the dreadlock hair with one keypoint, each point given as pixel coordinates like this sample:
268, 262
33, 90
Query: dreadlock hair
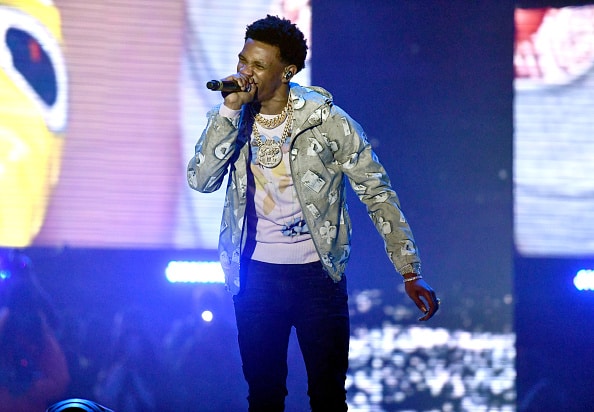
280, 32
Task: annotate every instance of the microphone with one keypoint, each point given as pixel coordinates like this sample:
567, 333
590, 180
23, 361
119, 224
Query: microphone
224, 86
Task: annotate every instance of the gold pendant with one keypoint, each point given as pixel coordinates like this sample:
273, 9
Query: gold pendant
270, 153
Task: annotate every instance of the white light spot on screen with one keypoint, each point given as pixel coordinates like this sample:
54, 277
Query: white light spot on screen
194, 272
207, 316
584, 279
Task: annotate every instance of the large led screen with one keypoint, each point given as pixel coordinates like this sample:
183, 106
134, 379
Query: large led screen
101, 105
554, 132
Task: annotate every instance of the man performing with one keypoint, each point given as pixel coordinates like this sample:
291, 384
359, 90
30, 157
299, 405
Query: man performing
286, 234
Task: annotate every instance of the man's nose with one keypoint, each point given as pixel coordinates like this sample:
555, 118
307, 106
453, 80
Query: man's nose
246, 70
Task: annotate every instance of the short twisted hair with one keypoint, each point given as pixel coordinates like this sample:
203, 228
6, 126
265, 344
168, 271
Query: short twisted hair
280, 32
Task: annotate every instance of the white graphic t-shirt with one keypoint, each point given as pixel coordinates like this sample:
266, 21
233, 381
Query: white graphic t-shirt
282, 235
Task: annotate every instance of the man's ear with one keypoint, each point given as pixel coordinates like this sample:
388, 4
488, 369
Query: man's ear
289, 72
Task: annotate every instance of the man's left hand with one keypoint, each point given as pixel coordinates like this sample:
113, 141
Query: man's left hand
423, 296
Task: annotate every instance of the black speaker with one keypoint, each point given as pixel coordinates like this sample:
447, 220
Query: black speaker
77, 405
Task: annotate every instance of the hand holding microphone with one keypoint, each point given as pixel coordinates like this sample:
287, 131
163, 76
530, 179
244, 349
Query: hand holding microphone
231, 84
237, 90
228, 86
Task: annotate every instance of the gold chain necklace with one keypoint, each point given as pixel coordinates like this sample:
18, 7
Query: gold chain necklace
270, 152
276, 121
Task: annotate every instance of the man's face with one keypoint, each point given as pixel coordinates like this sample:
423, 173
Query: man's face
261, 62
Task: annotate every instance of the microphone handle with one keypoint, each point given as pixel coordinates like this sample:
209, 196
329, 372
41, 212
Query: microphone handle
223, 86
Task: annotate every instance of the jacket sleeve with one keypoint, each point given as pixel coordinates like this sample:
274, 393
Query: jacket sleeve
369, 180
213, 153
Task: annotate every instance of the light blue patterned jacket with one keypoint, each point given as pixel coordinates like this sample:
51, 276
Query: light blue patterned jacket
327, 145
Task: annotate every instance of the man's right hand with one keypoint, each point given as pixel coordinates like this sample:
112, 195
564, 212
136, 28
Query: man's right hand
234, 100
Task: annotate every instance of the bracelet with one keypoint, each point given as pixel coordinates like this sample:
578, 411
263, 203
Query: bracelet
413, 278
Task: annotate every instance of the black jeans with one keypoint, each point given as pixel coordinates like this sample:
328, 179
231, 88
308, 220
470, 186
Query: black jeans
274, 298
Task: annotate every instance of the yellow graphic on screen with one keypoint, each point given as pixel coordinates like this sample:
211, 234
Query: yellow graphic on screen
33, 115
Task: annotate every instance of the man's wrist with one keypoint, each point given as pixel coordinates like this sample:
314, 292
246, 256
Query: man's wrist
409, 277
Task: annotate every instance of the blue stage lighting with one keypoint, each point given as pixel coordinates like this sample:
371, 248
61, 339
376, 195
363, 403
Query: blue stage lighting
207, 316
4, 274
194, 272
584, 279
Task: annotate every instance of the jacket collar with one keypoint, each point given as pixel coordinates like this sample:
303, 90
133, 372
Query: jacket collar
311, 106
